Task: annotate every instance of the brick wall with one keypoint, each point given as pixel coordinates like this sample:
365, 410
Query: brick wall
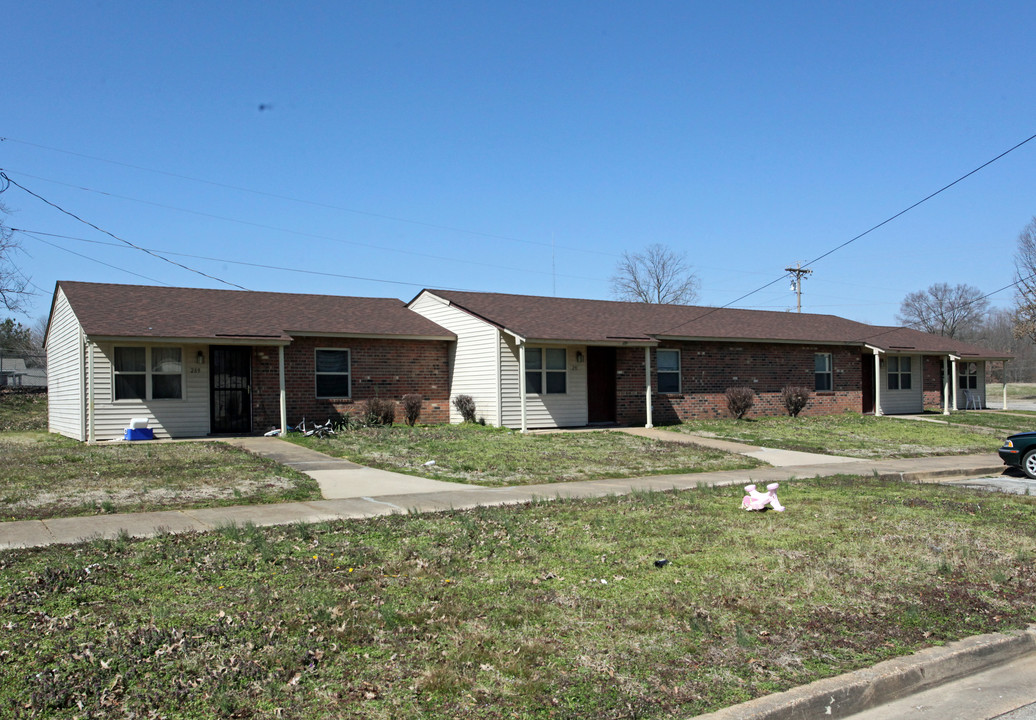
707, 369
932, 379
388, 369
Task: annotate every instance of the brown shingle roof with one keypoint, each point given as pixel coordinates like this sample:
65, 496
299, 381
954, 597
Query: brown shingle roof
606, 321
106, 310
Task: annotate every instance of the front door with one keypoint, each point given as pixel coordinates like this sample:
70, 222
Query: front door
600, 385
230, 377
867, 382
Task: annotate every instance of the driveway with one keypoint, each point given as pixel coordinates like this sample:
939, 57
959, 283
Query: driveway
1009, 482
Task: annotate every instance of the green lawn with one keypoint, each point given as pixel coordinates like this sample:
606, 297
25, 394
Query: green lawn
848, 434
481, 455
998, 423
46, 476
23, 411
547, 610
52, 476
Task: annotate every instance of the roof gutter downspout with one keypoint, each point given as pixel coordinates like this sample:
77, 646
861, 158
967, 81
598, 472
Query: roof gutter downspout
647, 377
521, 382
498, 338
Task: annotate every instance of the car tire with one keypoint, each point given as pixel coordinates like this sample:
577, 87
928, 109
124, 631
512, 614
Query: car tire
1029, 464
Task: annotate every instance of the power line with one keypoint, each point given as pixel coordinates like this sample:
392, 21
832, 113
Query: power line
302, 233
313, 203
854, 239
35, 233
126, 242
87, 257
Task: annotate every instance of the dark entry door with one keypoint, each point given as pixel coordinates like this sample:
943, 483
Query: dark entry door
867, 382
600, 384
231, 381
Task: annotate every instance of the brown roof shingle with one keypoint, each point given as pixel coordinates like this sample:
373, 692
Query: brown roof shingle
607, 321
106, 310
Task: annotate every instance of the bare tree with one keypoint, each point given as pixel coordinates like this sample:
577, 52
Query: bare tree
656, 275
1025, 278
13, 284
998, 333
957, 311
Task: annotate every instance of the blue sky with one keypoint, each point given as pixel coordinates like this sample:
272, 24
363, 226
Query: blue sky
522, 147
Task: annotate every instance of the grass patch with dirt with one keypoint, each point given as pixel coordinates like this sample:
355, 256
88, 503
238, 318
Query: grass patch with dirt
996, 422
848, 434
479, 455
543, 610
22, 412
49, 476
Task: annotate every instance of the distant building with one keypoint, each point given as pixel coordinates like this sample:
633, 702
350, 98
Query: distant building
14, 373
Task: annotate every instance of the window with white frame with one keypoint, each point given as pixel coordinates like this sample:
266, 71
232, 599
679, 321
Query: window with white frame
668, 370
546, 371
822, 379
148, 373
967, 377
333, 373
899, 373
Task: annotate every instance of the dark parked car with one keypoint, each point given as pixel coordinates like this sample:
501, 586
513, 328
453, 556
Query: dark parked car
1020, 451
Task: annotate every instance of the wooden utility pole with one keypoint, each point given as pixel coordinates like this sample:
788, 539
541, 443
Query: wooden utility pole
796, 283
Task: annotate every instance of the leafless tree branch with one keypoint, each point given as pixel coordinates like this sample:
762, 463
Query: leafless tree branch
656, 275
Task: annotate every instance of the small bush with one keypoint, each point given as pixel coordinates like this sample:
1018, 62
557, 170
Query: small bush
378, 411
794, 399
465, 405
740, 400
411, 408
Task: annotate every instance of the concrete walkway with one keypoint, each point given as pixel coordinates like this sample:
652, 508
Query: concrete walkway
352, 491
770, 456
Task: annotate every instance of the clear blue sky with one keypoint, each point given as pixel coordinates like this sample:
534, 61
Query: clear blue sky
450, 144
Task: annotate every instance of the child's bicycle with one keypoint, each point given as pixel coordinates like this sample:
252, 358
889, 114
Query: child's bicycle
320, 431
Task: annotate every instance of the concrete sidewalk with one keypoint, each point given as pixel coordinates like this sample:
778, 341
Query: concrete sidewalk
352, 491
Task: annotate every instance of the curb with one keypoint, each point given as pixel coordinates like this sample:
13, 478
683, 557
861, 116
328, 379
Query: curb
845, 695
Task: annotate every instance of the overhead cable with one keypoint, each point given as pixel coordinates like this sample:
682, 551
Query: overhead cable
112, 235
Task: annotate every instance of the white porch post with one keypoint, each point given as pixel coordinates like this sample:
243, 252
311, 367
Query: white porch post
945, 386
877, 384
521, 383
953, 380
283, 391
1004, 406
647, 382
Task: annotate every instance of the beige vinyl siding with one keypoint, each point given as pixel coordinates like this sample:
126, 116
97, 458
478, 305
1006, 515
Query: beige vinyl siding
66, 384
567, 409
473, 357
900, 402
187, 417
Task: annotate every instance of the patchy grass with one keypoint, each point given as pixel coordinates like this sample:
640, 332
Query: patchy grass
52, 476
998, 423
23, 412
1015, 391
539, 611
849, 434
480, 455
